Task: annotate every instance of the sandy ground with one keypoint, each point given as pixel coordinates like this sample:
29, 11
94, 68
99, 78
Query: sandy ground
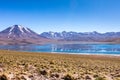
54, 66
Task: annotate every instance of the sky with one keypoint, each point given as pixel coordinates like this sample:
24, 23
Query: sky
61, 15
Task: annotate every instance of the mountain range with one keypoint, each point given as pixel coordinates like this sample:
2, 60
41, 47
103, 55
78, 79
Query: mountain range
85, 37
17, 34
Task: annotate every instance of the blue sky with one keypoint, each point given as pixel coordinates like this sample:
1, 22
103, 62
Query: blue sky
61, 15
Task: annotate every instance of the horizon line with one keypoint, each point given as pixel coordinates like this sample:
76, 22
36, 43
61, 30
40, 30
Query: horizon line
94, 31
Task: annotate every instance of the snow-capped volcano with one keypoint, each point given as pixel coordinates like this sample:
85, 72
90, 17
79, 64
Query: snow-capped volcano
20, 34
17, 31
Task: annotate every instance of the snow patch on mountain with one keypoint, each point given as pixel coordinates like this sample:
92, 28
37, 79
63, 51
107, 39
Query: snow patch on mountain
10, 32
26, 29
21, 28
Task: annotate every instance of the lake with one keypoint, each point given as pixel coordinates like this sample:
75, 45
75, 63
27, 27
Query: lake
110, 49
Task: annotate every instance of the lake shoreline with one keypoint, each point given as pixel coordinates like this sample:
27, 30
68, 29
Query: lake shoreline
67, 53
93, 54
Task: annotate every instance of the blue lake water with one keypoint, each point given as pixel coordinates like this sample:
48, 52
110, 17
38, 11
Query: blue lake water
111, 49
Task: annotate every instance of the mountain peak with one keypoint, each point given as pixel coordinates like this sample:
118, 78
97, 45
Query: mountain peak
18, 26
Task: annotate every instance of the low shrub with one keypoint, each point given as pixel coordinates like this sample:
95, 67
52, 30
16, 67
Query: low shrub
43, 72
3, 77
68, 77
100, 78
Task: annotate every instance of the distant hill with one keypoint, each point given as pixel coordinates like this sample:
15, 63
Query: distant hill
17, 34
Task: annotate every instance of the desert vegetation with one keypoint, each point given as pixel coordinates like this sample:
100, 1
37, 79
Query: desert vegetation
50, 66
